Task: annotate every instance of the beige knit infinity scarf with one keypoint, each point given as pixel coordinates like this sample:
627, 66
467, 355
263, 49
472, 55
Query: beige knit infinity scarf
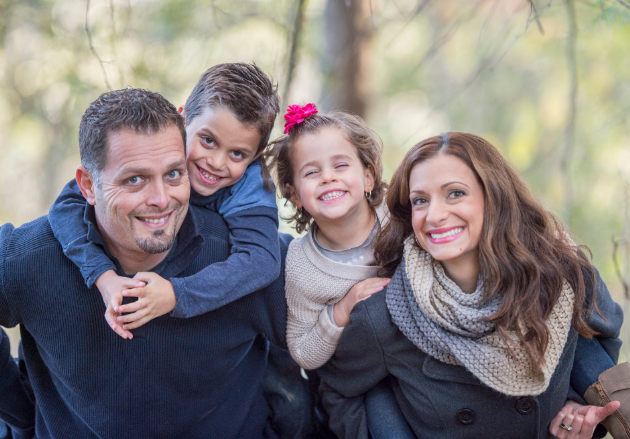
449, 327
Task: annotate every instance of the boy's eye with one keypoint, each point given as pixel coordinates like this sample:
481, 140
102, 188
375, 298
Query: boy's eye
237, 154
208, 141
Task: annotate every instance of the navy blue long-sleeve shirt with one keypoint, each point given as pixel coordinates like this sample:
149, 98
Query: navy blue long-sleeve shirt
251, 214
196, 378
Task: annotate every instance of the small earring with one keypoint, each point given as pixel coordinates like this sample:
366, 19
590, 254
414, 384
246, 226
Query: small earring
299, 210
368, 195
417, 242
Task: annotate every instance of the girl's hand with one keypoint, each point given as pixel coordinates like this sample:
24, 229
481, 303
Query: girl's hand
358, 292
581, 419
110, 285
156, 298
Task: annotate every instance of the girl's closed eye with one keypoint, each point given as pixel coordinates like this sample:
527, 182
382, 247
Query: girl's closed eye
311, 172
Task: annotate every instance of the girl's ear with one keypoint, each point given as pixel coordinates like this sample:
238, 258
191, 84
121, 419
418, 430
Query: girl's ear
369, 179
293, 198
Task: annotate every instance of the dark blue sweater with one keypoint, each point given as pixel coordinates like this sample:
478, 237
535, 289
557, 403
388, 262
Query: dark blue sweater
194, 378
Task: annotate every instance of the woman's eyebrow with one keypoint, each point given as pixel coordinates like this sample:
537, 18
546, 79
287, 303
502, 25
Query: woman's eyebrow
453, 182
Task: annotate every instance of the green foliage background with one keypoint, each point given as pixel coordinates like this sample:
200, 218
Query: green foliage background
483, 66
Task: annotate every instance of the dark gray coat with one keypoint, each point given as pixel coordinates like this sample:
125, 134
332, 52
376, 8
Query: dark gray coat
441, 400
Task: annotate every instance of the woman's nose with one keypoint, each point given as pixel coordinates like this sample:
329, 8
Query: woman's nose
438, 213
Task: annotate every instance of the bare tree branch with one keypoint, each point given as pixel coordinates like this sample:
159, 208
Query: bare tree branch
621, 2
486, 21
569, 132
89, 35
536, 17
293, 45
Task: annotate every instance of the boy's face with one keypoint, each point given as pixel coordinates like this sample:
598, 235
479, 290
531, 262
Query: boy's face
219, 149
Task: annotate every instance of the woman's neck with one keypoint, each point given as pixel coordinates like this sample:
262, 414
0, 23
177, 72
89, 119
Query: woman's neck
347, 232
464, 271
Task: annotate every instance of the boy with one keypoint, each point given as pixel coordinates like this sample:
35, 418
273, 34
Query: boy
228, 117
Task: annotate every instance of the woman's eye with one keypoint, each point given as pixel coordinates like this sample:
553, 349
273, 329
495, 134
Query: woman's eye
208, 141
456, 194
419, 201
174, 174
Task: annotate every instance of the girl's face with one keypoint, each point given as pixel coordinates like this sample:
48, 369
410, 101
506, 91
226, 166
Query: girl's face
447, 205
330, 181
219, 149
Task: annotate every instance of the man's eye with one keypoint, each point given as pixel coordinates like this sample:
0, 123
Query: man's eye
135, 180
174, 174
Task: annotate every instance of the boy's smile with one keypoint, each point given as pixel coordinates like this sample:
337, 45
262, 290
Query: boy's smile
219, 149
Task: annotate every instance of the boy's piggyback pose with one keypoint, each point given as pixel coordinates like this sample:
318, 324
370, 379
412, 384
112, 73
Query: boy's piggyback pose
228, 117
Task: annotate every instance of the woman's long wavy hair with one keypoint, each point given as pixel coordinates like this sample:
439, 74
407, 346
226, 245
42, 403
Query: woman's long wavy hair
524, 252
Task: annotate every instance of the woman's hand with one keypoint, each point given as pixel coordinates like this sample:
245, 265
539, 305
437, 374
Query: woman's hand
580, 420
357, 293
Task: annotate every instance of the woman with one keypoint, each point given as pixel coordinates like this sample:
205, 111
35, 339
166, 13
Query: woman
478, 326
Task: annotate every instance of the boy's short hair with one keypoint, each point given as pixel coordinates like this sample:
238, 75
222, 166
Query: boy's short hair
142, 111
242, 88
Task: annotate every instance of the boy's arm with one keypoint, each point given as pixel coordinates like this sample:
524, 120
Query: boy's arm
16, 407
66, 220
254, 263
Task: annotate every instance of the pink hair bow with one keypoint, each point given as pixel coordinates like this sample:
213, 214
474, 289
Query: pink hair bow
296, 114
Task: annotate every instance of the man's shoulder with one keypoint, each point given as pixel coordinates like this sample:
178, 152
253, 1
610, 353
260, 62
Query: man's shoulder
27, 239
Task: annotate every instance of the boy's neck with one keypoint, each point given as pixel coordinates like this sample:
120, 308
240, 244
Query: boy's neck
347, 232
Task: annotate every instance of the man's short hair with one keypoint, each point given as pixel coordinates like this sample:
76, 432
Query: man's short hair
243, 89
139, 110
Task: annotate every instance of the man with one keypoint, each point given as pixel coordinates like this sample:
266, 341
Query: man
198, 377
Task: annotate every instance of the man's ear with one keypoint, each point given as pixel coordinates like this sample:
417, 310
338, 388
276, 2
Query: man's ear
86, 184
293, 198
369, 179
181, 111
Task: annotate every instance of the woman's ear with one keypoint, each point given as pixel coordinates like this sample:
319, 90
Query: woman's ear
293, 198
368, 185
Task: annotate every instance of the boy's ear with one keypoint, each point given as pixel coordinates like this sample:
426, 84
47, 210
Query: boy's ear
293, 198
86, 184
181, 111
369, 179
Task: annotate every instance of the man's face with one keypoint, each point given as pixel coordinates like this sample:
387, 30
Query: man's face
143, 196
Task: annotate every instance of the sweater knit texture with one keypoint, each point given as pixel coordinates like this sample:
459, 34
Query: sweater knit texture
177, 378
312, 283
447, 324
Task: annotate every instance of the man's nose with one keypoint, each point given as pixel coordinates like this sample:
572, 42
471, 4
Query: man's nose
158, 196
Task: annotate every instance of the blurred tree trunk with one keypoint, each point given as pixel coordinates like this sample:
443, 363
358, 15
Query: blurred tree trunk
345, 61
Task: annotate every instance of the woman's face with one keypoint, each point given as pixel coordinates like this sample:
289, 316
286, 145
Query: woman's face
447, 205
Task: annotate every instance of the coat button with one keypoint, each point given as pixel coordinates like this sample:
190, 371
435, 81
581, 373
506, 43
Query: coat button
525, 406
466, 416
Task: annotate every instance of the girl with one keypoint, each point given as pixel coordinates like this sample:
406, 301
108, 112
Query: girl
329, 167
479, 324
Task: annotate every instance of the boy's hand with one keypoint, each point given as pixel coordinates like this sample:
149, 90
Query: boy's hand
358, 292
110, 285
155, 299
579, 421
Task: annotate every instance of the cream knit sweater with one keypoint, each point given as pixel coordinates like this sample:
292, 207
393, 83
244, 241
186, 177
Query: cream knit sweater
312, 281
